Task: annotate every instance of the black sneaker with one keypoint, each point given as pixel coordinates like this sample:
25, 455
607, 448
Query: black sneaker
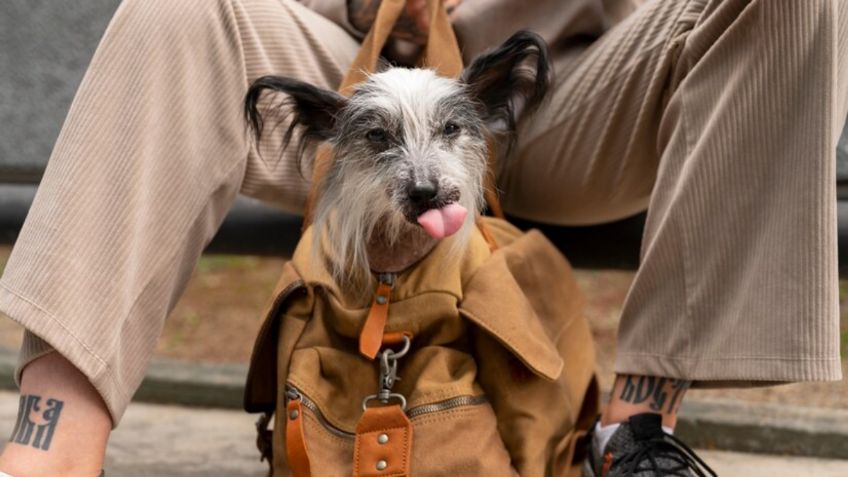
641, 448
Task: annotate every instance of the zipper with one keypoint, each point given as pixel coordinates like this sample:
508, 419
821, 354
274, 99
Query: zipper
459, 401
292, 393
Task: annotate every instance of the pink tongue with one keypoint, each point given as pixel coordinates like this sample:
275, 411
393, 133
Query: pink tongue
440, 223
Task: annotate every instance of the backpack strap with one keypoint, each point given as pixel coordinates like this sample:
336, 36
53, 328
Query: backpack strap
296, 455
371, 336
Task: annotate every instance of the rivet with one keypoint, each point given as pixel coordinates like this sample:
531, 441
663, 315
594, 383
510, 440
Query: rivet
293, 415
381, 299
381, 465
383, 438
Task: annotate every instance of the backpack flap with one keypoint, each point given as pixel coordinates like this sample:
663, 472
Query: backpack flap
534, 351
260, 393
493, 300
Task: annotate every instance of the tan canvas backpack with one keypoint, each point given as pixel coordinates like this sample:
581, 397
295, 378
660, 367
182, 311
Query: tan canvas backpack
482, 366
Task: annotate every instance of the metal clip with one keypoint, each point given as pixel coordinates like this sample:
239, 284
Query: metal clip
391, 354
387, 278
388, 375
388, 372
385, 400
292, 394
388, 364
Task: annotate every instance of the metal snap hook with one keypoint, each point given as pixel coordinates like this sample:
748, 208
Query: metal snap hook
385, 400
391, 354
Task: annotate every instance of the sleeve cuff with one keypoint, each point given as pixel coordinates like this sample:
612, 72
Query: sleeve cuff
45, 333
32, 348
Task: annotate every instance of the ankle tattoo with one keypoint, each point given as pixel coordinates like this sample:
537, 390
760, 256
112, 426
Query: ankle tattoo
36, 424
661, 394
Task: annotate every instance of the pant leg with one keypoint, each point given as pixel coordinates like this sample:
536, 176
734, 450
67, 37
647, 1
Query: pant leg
151, 157
720, 117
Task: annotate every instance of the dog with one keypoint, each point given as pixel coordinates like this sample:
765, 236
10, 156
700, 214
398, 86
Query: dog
410, 152
410, 163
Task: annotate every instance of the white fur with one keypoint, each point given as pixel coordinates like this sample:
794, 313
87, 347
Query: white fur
355, 199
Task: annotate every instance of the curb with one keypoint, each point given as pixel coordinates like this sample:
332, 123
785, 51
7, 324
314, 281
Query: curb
169, 382
713, 424
764, 428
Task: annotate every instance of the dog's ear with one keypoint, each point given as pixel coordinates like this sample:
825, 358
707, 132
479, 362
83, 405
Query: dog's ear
313, 110
510, 80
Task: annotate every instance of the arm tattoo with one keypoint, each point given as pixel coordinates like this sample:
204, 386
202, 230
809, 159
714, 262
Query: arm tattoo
643, 388
36, 424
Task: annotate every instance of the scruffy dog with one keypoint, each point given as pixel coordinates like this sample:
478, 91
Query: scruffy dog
410, 152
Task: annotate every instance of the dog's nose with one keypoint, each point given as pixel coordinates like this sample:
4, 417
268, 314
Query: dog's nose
423, 192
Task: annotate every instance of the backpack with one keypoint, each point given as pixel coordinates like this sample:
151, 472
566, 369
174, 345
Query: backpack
481, 366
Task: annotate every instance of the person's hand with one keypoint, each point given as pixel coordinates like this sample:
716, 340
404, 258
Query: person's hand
416, 10
412, 26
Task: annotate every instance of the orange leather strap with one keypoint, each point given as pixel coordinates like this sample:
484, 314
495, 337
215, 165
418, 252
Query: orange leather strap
395, 337
296, 455
487, 235
371, 336
383, 445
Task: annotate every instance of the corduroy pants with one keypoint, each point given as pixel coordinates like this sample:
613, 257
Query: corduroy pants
718, 117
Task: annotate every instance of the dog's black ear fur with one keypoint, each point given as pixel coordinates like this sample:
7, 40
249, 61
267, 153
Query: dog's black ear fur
510, 80
312, 109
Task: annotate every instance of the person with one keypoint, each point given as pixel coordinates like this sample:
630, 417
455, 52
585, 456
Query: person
720, 117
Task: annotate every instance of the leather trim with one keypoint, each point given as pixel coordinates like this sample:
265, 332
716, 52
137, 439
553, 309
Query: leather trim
371, 336
396, 337
296, 453
383, 443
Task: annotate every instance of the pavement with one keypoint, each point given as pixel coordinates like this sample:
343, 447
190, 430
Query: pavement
175, 441
171, 441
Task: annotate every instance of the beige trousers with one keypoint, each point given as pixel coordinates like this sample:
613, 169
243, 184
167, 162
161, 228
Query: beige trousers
719, 117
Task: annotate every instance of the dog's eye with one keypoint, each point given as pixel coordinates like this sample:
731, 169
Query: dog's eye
451, 129
376, 135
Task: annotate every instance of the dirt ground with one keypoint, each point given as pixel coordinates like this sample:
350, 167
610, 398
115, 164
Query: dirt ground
219, 316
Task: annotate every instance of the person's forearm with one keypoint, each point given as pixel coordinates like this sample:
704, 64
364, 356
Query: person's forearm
62, 425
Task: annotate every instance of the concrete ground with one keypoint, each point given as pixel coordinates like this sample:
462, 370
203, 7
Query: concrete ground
173, 441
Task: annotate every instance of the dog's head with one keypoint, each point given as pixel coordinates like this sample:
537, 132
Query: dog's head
410, 147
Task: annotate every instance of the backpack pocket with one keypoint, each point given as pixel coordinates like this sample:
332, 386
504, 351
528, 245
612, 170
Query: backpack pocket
457, 436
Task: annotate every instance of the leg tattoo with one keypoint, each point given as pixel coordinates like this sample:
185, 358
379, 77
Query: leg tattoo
35, 425
655, 391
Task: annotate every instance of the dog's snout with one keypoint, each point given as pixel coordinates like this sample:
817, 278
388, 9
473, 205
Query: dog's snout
422, 192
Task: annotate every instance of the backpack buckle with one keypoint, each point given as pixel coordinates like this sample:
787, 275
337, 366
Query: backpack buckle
388, 375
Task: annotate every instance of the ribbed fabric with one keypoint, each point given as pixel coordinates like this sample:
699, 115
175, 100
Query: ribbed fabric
151, 157
722, 115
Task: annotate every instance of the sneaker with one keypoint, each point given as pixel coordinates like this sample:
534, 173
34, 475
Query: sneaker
641, 448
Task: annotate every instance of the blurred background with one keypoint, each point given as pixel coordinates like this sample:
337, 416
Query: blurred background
45, 47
